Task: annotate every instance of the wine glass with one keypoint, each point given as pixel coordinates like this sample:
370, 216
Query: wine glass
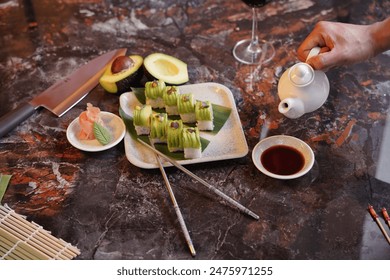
253, 51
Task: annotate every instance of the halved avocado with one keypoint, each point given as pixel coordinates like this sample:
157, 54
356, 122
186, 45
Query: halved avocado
164, 67
124, 72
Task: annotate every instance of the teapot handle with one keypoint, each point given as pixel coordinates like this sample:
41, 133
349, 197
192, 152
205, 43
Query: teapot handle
313, 52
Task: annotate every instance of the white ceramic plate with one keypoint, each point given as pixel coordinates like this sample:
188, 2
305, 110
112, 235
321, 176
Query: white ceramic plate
296, 143
228, 143
112, 122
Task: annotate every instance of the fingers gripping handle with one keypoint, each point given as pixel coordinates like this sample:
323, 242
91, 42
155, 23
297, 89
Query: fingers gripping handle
313, 52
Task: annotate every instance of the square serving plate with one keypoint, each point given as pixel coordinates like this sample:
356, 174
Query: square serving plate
228, 143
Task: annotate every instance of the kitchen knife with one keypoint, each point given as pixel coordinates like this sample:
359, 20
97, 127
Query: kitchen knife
64, 94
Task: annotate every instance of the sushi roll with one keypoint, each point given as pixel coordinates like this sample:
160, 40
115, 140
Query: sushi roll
204, 115
174, 135
154, 94
170, 95
191, 142
158, 130
141, 119
186, 107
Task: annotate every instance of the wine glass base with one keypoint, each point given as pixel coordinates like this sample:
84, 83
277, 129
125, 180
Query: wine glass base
243, 52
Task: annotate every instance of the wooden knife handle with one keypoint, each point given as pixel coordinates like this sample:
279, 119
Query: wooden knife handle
12, 119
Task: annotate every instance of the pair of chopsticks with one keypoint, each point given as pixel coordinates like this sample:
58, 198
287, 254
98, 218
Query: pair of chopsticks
176, 207
378, 222
210, 187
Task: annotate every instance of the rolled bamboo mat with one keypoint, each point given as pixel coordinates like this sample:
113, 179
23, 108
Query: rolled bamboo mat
24, 240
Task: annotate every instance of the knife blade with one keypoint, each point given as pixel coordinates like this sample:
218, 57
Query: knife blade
64, 94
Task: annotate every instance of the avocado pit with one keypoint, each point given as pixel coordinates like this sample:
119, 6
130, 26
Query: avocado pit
123, 73
121, 63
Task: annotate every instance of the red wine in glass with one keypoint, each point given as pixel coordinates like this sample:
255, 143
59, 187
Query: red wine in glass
256, 3
253, 51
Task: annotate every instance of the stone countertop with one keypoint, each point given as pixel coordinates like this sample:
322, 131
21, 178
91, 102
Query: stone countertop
111, 209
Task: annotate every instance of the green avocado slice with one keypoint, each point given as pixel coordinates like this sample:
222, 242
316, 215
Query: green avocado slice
122, 81
164, 67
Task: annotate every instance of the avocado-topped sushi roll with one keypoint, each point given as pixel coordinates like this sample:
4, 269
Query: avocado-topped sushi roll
154, 93
158, 129
141, 119
170, 95
204, 115
186, 107
174, 135
191, 143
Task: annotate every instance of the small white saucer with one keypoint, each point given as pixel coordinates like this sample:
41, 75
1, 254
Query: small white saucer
112, 122
286, 140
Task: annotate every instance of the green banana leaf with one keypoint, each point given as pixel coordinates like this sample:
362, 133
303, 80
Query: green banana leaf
4, 180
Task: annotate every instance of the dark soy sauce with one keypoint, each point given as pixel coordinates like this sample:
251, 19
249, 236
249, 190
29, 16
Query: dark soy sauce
282, 160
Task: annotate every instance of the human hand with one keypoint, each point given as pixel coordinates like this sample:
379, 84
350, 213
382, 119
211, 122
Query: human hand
340, 43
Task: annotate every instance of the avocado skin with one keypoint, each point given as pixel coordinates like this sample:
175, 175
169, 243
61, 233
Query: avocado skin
133, 80
121, 82
149, 77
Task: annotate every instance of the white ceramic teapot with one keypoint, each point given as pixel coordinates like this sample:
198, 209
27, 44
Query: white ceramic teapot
302, 89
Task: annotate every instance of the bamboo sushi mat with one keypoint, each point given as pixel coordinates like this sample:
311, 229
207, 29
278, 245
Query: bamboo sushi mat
24, 240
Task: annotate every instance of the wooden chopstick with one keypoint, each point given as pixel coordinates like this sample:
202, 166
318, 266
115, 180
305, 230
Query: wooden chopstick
210, 187
386, 216
378, 222
177, 209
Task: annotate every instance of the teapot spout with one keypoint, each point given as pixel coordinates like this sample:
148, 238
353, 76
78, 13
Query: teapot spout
292, 108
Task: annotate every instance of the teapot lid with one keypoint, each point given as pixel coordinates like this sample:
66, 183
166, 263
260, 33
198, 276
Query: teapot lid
301, 74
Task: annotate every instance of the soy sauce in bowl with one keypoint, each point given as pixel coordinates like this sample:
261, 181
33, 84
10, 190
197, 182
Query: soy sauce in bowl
283, 157
282, 160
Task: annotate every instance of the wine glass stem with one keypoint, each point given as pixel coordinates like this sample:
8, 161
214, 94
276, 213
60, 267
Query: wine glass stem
254, 46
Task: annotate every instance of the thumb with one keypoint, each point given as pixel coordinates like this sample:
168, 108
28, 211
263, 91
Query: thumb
316, 62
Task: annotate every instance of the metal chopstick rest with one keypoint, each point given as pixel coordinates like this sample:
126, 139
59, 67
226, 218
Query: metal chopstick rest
210, 187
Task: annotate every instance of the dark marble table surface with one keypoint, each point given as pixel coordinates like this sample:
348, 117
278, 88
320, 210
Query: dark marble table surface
111, 209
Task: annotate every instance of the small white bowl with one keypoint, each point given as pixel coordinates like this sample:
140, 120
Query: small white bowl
112, 122
286, 140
